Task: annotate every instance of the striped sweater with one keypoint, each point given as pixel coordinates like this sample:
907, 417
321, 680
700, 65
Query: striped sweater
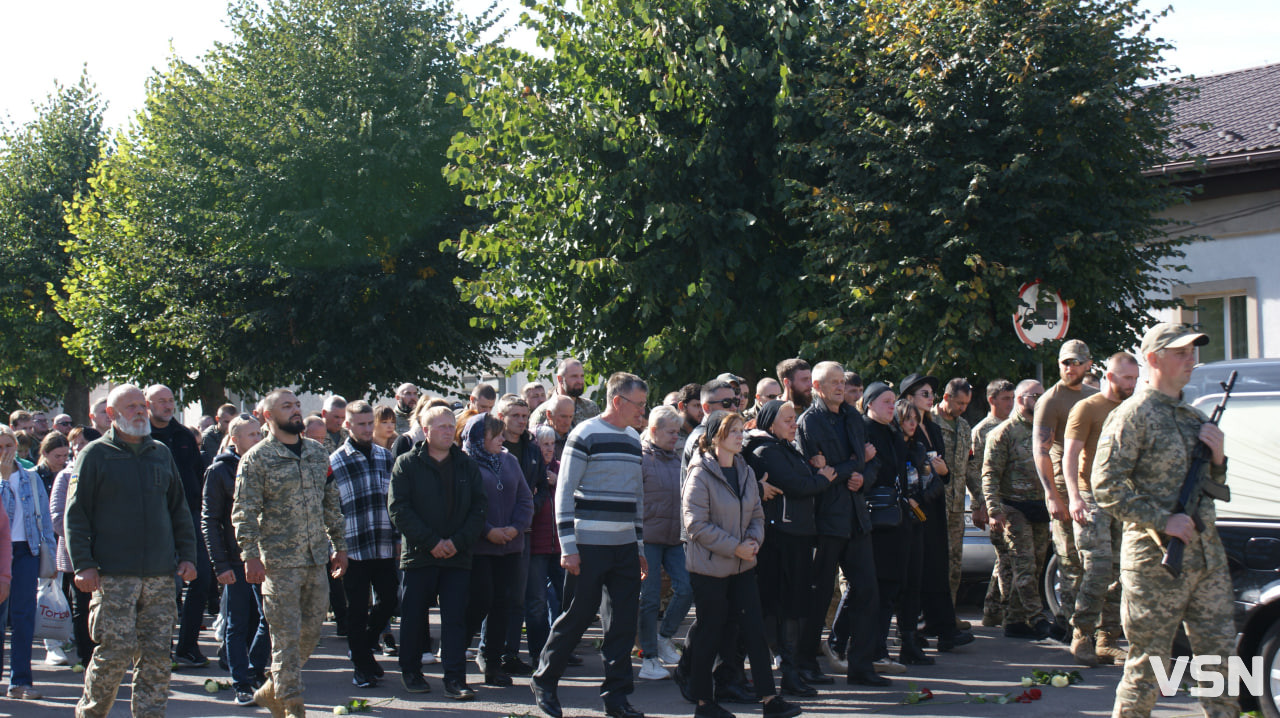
600, 499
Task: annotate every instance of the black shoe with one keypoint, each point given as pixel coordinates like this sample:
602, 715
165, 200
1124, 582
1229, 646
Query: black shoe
921, 642
341, 630
866, 678
513, 666
780, 708
794, 685
192, 659
497, 679
1053, 630
911, 654
814, 678
414, 682
712, 710
360, 678
546, 700
574, 660
622, 709
735, 693
954, 640
389, 643
1021, 630
458, 690
244, 698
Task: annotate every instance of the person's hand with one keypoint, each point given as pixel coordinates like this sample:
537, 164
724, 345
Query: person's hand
338, 564
827, 473
444, 549
226, 578
979, 515
4, 591
1057, 509
1079, 511
511, 532
869, 450
87, 581
1182, 526
818, 461
644, 567
768, 490
939, 466
855, 481
1213, 438
572, 563
254, 571
187, 571
745, 551
497, 536
996, 521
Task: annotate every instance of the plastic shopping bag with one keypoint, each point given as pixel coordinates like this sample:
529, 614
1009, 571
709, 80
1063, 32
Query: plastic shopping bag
53, 614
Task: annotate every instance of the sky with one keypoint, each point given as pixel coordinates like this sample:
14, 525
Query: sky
123, 41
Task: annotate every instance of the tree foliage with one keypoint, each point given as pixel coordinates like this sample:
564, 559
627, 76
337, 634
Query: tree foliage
634, 176
967, 147
43, 164
274, 214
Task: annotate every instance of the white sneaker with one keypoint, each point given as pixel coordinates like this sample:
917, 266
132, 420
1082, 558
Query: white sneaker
428, 658
53, 653
667, 651
888, 665
651, 670
472, 653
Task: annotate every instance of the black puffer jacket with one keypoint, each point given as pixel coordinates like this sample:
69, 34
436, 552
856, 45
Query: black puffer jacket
215, 514
793, 511
841, 512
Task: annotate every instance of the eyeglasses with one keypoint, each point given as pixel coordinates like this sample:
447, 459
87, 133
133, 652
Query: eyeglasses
637, 404
726, 403
1034, 396
1071, 362
769, 397
925, 393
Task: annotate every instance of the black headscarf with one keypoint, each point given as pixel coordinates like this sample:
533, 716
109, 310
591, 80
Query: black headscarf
768, 414
872, 391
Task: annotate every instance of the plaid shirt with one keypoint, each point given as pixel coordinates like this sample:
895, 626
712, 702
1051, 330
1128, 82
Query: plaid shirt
362, 488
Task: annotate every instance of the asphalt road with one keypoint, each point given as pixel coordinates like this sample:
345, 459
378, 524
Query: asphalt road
990, 665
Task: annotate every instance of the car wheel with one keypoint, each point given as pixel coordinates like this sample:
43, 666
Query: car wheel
1270, 652
1052, 586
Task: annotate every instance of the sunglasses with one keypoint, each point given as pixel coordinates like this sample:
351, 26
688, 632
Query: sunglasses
769, 397
726, 403
1071, 362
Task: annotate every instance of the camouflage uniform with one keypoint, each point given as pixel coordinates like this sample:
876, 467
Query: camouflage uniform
287, 513
1143, 456
1009, 474
965, 473
1098, 595
131, 618
1001, 576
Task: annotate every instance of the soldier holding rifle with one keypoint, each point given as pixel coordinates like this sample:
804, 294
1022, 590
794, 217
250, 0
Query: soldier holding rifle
1143, 457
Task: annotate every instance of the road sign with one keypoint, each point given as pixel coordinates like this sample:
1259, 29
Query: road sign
1041, 317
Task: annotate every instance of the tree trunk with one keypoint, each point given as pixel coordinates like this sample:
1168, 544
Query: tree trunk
213, 393
75, 402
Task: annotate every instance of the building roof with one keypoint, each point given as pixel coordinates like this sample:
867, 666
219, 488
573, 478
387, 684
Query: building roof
1241, 110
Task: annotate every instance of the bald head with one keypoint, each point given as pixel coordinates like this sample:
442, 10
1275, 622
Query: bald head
1025, 396
160, 404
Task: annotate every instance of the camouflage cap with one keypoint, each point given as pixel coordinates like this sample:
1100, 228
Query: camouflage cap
1168, 335
1075, 349
730, 378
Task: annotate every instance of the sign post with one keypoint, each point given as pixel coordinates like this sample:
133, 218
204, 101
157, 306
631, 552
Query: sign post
1041, 317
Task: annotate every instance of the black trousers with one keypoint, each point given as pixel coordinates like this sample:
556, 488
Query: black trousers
857, 618
900, 589
79, 602
365, 626
935, 578
718, 602
418, 592
614, 570
493, 588
827, 560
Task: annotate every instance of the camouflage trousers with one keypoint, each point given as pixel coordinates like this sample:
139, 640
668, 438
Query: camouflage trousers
955, 545
131, 618
1001, 583
1027, 545
1098, 596
1069, 568
295, 601
1153, 604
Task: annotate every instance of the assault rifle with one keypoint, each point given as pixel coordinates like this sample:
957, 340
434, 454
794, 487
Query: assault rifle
1197, 483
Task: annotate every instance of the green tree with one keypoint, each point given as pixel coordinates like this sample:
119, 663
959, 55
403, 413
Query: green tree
634, 175
968, 147
274, 214
43, 165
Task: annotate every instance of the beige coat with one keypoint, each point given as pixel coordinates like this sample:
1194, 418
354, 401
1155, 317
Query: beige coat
716, 520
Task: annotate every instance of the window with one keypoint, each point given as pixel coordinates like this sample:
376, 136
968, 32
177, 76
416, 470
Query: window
1228, 312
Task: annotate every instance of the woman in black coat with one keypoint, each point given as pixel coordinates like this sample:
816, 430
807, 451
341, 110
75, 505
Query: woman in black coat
785, 570
935, 598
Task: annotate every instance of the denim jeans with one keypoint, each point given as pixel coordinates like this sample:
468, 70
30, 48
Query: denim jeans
671, 559
19, 611
247, 644
537, 613
195, 600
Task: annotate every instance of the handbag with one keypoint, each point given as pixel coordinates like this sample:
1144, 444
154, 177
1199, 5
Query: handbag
885, 506
53, 613
48, 554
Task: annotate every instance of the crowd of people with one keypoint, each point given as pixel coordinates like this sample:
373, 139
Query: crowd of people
818, 522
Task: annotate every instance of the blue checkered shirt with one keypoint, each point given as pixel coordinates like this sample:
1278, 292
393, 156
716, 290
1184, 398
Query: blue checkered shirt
362, 487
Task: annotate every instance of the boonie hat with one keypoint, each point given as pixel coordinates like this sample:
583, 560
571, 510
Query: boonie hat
1168, 335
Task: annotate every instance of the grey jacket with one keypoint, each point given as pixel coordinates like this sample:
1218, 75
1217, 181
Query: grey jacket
661, 470
716, 520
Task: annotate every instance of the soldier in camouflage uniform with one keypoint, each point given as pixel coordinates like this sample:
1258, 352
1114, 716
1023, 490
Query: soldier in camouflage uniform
1015, 504
1143, 457
287, 517
958, 442
125, 544
1000, 400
